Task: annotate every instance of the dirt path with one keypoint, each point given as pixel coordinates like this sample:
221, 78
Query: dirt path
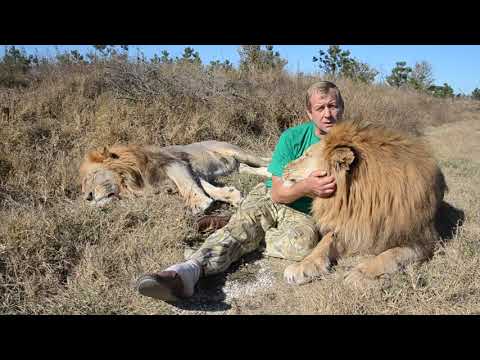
457, 148
456, 140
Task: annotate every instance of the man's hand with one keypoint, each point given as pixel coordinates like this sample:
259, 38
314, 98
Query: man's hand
318, 184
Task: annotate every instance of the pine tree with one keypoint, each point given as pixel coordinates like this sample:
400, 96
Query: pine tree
476, 94
400, 75
336, 62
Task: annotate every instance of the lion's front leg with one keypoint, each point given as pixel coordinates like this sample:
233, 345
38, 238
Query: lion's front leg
228, 194
317, 263
193, 194
387, 262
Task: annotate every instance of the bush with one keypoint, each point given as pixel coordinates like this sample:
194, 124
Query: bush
14, 68
441, 91
253, 58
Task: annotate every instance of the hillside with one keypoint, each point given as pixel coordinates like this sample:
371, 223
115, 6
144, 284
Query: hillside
58, 255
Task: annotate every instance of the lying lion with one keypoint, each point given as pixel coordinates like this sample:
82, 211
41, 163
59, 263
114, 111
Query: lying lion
125, 171
389, 188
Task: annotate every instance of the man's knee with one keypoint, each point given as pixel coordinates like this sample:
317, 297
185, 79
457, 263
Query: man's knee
292, 244
304, 240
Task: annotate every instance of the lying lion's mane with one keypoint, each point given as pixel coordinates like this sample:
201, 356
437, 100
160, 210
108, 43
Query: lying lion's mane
137, 167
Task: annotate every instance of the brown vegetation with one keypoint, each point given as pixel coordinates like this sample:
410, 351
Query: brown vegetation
57, 255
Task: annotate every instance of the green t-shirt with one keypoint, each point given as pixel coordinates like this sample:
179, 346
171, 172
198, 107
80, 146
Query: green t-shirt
292, 144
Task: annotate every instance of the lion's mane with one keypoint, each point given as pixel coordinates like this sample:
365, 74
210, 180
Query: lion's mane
389, 188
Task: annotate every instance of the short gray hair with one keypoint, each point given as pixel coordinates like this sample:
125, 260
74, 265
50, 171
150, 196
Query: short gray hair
323, 87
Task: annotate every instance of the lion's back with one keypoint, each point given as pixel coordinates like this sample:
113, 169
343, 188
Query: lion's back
207, 158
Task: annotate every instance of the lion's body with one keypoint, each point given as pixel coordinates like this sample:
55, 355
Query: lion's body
389, 196
389, 188
126, 170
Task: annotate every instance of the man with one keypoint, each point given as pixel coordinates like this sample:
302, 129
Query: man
272, 217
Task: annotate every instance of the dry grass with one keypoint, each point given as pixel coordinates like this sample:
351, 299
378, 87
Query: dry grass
59, 256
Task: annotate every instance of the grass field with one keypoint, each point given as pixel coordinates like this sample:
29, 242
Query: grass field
60, 256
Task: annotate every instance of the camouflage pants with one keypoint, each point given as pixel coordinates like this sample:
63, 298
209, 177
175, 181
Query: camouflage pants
259, 223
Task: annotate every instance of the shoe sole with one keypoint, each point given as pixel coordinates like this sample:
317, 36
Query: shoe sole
150, 287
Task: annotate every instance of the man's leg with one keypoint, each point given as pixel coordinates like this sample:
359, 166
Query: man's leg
294, 237
242, 235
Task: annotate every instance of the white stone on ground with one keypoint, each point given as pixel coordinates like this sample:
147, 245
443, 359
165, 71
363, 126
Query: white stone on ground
236, 289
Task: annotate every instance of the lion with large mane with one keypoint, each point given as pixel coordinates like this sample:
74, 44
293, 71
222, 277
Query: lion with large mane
389, 188
132, 170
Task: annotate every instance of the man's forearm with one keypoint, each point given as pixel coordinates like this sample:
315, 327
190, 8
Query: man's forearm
286, 195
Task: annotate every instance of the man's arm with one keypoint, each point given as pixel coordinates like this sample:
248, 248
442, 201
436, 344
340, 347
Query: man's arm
316, 185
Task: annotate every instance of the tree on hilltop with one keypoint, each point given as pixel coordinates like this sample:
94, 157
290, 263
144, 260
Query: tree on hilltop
106, 52
254, 57
421, 77
72, 57
190, 56
224, 65
15, 66
336, 62
400, 75
163, 59
476, 94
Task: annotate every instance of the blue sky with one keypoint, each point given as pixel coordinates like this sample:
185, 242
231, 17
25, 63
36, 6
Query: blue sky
457, 65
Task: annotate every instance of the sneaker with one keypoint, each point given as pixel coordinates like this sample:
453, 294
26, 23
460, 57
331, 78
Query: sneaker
165, 285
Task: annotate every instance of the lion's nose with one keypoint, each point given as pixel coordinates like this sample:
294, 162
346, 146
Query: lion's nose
89, 196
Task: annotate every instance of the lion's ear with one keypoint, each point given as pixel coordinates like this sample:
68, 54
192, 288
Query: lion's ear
107, 154
95, 156
342, 157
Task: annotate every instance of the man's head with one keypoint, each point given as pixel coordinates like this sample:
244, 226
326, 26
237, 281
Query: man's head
325, 105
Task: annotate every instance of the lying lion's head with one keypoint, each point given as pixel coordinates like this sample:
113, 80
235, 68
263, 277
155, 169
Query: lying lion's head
110, 174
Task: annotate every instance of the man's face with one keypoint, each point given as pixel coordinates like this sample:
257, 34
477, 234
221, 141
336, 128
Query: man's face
324, 110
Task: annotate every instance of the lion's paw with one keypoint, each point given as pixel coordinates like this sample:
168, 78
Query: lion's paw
234, 196
201, 207
357, 278
304, 272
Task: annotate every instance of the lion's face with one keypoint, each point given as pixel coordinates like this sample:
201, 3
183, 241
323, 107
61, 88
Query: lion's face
115, 173
101, 177
101, 186
334, 161
301, 168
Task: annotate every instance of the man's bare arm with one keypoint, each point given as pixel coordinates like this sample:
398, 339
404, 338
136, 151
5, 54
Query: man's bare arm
316, 185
